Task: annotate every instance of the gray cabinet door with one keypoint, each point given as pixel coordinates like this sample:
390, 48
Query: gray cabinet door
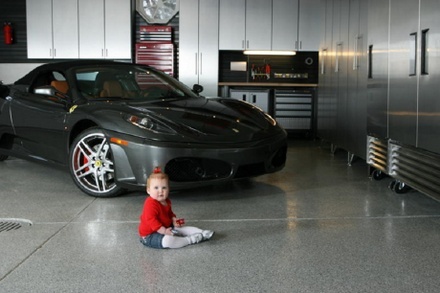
104, 29
65, 28
52, 28
91, 28
117, 29
284, 24
198, 45
311, 20
232, 17
258, 25
39, 28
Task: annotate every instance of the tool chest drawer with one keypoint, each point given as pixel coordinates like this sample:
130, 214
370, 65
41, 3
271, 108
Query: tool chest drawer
293, 108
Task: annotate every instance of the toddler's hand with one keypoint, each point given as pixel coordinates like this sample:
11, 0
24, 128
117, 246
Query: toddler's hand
179, 222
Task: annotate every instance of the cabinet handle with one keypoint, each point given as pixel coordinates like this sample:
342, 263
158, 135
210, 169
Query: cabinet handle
196, 63
370, 61
412, 54
338, 52
254, 99
300, 45
242, 44
54, 52
424, 52
324, 56
201, 64
102, 53
244, 97
355, 57
247, 44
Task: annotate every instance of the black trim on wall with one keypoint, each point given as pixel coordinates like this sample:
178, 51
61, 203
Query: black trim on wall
14, 11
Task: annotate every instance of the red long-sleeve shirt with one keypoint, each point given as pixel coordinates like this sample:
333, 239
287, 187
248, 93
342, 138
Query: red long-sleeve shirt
155, 215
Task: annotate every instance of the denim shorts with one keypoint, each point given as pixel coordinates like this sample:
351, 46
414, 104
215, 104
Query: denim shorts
153, 240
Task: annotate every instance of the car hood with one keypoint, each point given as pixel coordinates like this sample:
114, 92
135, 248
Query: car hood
220, 120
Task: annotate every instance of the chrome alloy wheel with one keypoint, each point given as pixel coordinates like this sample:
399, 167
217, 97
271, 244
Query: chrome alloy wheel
91, 164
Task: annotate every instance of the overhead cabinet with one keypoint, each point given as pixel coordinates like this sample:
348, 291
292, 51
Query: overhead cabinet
285, 24
270, 25
71, 29
310, 22
104, 29
198, 44
52, 28
245, 24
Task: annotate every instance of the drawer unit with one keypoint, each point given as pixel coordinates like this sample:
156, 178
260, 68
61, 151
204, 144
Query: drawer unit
293, 108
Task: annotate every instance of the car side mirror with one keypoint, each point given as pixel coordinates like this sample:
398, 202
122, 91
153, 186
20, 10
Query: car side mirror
45, 90
197, 88
53, 93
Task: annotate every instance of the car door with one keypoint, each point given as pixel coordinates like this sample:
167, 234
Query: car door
39, 122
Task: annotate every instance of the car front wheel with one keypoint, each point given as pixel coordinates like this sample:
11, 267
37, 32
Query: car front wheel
91, 164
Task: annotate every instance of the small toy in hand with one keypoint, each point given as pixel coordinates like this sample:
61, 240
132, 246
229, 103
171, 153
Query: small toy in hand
180, 221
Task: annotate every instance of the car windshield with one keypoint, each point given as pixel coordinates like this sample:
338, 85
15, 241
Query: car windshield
128, 82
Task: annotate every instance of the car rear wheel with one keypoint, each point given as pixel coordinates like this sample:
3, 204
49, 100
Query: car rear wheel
91, 164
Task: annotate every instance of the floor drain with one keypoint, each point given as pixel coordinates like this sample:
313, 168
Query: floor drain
13, 224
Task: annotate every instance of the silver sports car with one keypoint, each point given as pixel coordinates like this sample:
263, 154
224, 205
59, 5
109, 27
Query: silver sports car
111, 123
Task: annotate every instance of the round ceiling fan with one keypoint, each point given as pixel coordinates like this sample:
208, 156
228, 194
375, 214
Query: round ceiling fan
157, 11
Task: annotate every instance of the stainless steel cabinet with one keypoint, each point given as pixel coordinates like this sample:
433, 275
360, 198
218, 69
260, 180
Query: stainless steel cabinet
343, 73
259, 98
245, 25
198, 44
105, 29
429, 86
403, 71
356, 103
52, 28
377, 84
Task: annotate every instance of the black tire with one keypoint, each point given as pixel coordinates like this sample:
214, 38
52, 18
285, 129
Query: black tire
91, 164
3, 157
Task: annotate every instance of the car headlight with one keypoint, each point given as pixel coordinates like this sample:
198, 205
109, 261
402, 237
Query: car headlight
149, 123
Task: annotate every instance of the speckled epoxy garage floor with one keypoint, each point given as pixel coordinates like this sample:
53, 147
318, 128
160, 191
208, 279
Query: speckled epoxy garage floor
317, 226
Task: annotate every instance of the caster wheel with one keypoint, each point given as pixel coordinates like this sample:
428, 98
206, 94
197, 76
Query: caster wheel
401, 187
392, 185
378, 175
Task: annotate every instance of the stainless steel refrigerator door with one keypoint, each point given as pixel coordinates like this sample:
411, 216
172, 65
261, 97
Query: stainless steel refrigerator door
404, 35
377, 87
429, 90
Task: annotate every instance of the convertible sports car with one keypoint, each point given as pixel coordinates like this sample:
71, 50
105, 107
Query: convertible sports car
111, 123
